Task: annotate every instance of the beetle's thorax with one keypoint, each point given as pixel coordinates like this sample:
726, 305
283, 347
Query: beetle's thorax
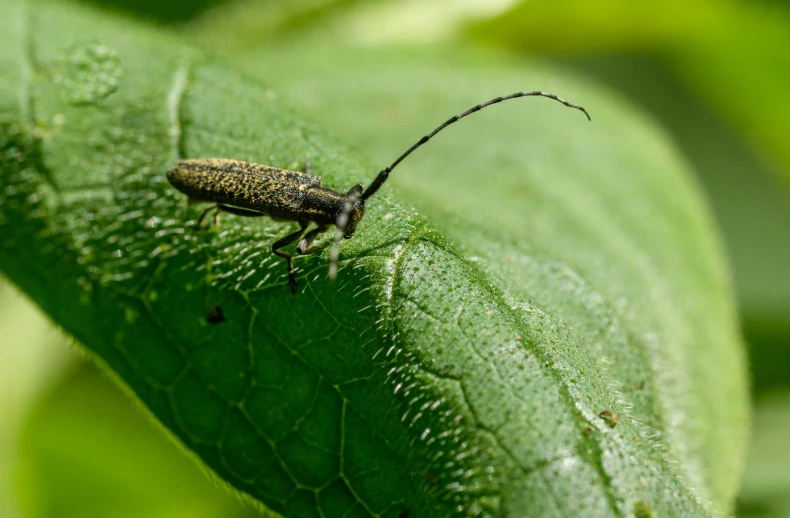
321, 205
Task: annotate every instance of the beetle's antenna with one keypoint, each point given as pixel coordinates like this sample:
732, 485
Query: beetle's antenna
340, 230
383, 175
342, 220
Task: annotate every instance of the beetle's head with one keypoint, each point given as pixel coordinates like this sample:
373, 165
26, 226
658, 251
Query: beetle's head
354, 215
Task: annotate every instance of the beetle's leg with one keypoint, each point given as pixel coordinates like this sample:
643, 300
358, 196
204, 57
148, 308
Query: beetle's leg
234, 210
204, 213
307, 166
287, 240
241, 212
304, 247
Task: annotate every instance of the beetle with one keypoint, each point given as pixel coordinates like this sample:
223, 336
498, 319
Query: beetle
253, 190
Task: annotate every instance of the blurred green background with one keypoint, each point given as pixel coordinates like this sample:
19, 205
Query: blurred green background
715, 75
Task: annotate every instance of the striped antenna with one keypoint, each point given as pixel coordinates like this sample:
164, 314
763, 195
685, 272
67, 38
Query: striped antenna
382, 177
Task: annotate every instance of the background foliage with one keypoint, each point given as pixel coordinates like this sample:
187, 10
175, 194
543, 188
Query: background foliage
681, 66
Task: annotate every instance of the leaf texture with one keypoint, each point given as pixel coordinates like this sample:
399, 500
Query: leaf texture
464, 362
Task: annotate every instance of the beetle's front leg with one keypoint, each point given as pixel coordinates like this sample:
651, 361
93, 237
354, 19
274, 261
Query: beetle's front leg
304, 247
287, 240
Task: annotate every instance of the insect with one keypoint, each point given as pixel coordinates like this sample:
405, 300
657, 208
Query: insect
253, 190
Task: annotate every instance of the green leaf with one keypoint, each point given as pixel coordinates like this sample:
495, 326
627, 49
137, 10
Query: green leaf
582, 275
383, 100
72, 466
245, 23
766, 482
717, 48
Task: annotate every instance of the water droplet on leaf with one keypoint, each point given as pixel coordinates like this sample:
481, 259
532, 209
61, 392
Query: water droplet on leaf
91, 72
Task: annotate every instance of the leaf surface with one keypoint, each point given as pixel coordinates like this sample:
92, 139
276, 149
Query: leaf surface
462, 362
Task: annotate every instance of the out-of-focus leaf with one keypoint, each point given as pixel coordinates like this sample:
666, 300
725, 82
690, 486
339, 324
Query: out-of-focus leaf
735, 55
251, 23
743, 72
766, 484
86, 452
767, 332
254, 24
603, 25
167, 12
32, 355
584, 276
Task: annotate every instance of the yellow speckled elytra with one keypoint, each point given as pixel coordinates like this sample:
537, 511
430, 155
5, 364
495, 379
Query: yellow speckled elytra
248, 189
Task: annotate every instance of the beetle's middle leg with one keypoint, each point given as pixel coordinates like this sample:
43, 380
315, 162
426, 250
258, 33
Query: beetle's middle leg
240, 212
225, 208
287, 240
205, 212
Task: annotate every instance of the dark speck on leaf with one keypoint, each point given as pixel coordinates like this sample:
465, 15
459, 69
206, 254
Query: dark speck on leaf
404, 513
610, 417
215, 315
431, 479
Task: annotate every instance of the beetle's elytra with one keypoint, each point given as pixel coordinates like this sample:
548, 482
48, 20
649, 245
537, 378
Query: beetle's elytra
247, 189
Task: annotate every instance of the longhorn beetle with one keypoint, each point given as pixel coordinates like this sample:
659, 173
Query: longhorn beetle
247, 189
